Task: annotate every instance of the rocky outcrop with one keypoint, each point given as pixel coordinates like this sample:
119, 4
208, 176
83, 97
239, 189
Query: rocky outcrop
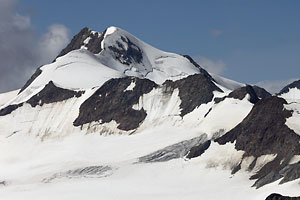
198, 150
126, 55
240, 94
261, 92
264, 132
113, 102
9, 109
52, 94
295, 84
93, 45
187, 148
194, 90
290, 173
275, 196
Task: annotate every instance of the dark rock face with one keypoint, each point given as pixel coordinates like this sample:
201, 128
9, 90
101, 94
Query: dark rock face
261, 92
194, 90
52, 94
9, 109
32, 78
240, 94
127, 56
295, 84
94, 44
264, 124
112, 102
198, 150
290, 173
275, 196
219, 99
263, 132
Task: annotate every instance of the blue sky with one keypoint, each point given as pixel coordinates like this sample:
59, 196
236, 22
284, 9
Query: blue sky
249, 40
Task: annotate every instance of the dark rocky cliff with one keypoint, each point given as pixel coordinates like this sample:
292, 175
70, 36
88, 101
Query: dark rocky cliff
264, 132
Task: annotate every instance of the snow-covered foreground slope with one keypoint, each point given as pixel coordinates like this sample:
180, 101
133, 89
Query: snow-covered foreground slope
34, 169
115, 118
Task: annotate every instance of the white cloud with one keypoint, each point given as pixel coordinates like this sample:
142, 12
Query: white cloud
21, 49
21, 22
216, 32
54, 41
212, 66
274, 86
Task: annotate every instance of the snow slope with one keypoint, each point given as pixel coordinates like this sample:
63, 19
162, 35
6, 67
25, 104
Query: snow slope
5, 98
155, 64
291, 93
81, 69
293, 98
122, 55
45, 156
205, 177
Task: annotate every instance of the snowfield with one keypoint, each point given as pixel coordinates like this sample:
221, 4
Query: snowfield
29, 162
45, 156
81, 69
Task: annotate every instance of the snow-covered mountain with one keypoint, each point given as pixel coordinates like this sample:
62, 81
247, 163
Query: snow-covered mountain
116, 118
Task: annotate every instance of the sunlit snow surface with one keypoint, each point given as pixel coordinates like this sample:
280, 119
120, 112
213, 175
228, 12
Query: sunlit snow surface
293, 99
71, 164
43, 156
27, 164
81, 69
5, 98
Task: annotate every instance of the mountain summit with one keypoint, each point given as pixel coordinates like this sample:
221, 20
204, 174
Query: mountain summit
113, 110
